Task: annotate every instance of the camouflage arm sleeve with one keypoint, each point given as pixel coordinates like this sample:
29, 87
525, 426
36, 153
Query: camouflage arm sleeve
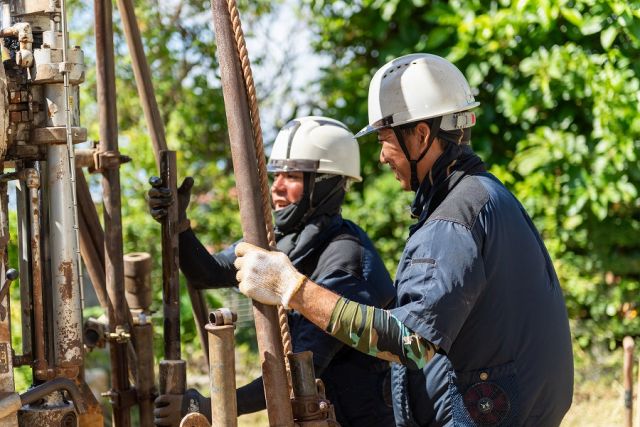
376, 332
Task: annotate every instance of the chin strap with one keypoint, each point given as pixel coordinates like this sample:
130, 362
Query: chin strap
413, 164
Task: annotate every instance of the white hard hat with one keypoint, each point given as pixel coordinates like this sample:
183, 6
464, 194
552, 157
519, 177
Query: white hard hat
417, 87
316, 144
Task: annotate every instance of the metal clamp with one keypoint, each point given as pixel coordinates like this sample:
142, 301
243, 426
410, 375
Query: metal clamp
122, 398
120, 335
222, 316
108, 160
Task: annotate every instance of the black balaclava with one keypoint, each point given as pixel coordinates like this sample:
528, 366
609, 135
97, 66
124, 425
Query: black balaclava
322, 195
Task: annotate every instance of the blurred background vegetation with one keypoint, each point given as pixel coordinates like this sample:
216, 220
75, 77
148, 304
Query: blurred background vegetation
558, 83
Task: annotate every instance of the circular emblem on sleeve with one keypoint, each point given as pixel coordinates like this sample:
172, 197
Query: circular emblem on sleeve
487, 403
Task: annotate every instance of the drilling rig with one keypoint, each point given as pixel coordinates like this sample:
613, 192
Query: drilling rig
59, 233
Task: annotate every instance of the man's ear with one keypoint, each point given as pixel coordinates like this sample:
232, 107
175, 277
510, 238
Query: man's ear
423, 130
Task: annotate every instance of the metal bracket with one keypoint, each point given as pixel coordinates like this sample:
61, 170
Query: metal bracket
120, 335
123, 398
108, 160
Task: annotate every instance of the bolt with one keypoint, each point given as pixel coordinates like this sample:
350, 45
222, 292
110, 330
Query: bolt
12, 274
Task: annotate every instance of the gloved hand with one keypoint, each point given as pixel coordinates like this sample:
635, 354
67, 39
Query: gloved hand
160, 198
268, 277
171, 408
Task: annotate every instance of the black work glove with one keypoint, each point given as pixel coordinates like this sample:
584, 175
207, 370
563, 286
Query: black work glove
159, 198
171, 408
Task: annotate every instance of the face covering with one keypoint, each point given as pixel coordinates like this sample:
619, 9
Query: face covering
322, 195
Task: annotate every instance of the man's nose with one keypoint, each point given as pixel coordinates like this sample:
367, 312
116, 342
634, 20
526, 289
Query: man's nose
278, 181
382, 159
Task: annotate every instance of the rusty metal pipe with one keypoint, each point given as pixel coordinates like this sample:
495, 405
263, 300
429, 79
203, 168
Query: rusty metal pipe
143, 77
170, 272
303, 378
144, 80
222, 369
251, 214
24, 253
92, 250
137, 281
40, 364
36, 393
67, 319
114, 269
173, 370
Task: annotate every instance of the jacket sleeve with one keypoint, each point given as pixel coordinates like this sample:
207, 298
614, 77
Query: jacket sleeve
307, 336
250, 397
442, 278
202, 269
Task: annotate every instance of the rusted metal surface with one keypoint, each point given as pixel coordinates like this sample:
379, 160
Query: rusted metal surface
170, 272
145, 384
199, 310
137, 273
173, 371
251, 214
308, 403
114, 269
67, 309
194, 419
137, 280
143, 77
173, 376
9, 404
40, 364
92, 250
52, 411
57, 135
222, 372
36, 393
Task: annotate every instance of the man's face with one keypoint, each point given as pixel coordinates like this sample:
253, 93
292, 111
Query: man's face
286, 189
392, 155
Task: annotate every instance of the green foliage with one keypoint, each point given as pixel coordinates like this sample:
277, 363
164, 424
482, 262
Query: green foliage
558, 123
180, 49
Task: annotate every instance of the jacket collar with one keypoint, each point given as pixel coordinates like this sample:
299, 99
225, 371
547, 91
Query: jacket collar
454, 164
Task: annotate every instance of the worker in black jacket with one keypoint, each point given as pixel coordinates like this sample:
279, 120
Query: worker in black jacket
312, 161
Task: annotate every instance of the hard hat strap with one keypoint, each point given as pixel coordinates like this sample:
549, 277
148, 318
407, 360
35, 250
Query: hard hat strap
434, 126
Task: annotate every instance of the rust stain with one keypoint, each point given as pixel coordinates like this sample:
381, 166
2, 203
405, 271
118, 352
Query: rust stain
53, 109
60, 171
66, 290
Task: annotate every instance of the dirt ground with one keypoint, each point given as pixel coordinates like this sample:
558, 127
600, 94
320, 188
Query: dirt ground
594, 405
597, 399
597, 402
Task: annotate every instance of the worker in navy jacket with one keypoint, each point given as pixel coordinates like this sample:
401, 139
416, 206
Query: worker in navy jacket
479, 334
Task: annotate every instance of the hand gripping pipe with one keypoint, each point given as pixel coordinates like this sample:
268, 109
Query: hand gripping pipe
254, 229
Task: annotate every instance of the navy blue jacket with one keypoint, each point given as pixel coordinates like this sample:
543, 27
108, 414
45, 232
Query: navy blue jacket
340, 257
475, 278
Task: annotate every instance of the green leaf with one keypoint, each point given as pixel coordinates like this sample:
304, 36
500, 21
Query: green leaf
572, 15
608, 36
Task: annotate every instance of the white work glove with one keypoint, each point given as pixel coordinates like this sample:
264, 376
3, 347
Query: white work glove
267, 277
